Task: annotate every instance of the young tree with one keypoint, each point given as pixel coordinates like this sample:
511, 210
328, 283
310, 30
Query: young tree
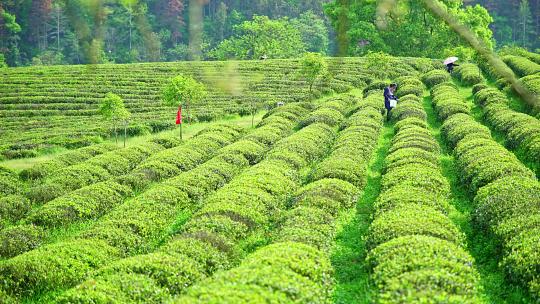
183, 91
313, 66
112, 108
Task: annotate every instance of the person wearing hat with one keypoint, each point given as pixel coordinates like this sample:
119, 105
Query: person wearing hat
390, 100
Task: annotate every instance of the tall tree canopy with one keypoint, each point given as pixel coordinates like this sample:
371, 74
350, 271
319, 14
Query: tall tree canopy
404, 29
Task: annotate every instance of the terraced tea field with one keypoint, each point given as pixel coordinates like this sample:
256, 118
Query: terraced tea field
324, 200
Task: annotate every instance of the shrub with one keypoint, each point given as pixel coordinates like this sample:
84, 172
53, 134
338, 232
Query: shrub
120, 288
459, 126
412, 220
418, 259
506, 198
329, 116
260, 277
16, 240
252, 151
489, 96
9, 185
348, 170
469, 74
13, 208
416, 176
86, 203
403, 196
521, 65
435, 77
411, 89
307, 225
407, 156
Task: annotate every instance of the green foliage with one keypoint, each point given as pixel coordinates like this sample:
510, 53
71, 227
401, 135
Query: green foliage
16, 240
313, 66
3, 63
412, 268
469, 74
261, 36
183, 90
314, 32
13, 208
521, 66
406, 28
435, 77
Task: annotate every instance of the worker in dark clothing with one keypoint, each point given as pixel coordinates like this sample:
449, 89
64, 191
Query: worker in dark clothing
389, 99
450, 67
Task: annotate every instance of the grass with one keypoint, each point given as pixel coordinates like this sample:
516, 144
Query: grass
480, 244
188, 131
348, 257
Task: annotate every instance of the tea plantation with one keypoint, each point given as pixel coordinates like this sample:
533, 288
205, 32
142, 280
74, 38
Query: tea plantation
323, 200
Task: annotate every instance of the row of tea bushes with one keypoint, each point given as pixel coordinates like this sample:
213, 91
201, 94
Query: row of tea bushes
215, 235
296, 267
469, 74
521, 65
65, 98
507, 196
46, 168
133, 226
92, 201
521, 131
415, 251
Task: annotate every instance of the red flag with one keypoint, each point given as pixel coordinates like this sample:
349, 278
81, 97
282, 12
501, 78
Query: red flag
179, 116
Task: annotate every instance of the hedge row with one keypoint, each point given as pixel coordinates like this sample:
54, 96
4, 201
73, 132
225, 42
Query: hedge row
330, 112
507, 196
416, 252
150, 209
47, 168
354, 145
296, 267
408, 106
131, 227
521, 65
522, 131
435, 77
446, 100
213, 238
98, 168
469, 74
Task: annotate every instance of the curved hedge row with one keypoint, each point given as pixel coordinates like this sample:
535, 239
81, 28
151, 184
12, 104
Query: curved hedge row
139, 221
446, 101
521, 131
213, 238
469, 74
507, 196
130, 227
330, 112
96, 169
521, 65
415, 251
435, 77
296, 267
46, 168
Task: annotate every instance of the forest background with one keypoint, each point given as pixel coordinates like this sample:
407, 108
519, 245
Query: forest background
47, 32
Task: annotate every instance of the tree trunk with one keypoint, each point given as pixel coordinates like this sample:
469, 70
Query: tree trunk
115, 135
125, 133
58, 29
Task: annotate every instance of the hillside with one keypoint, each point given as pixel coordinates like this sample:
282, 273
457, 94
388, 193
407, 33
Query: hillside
327, 199
42, 107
